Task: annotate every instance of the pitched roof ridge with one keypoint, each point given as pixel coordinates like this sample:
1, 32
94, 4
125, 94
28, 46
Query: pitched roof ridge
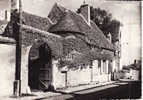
69, 10
66, 9
85, 20
60, 6
97, 26
55, 8
80, 15
41, 31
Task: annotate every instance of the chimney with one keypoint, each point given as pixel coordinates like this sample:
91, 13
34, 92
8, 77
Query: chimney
109, 37
85, 11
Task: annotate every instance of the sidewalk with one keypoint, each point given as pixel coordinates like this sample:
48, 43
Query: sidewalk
85, 87
38, 95
33, 96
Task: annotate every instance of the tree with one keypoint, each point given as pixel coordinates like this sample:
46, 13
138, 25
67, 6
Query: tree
105, 22
114, 29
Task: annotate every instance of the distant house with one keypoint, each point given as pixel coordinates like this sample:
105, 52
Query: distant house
4, 20
134, 71
3, 24
65, 49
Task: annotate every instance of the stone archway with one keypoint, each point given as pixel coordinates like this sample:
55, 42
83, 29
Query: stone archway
40, 67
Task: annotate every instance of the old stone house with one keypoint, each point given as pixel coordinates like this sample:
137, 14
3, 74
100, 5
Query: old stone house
64, 49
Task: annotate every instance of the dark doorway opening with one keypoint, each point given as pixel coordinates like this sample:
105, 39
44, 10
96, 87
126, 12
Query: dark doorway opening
40, 72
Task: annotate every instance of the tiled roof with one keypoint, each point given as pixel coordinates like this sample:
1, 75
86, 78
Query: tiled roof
98, 34
56, 13
75, 23
36, 21
66, 24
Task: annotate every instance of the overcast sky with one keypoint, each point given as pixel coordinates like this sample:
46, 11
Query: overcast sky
128, 13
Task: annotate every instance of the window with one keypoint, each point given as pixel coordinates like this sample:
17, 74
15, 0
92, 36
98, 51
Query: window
99, 66
104, 66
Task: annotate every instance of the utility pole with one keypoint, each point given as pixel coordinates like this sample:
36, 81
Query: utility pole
16, 13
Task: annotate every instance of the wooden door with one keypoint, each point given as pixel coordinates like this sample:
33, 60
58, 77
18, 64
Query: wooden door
45, 75
40, 69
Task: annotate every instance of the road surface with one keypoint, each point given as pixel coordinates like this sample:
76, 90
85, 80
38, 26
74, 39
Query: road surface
120, 90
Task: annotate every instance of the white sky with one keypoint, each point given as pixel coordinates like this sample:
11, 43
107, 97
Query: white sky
126, 12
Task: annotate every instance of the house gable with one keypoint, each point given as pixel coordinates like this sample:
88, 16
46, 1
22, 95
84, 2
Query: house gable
56, 13
75, 23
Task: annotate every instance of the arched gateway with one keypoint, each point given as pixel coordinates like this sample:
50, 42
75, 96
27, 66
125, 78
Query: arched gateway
40, 67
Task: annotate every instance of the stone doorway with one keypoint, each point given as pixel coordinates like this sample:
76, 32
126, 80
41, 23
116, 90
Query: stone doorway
40, 67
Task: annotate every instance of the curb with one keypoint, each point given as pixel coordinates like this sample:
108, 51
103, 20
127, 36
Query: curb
64, 92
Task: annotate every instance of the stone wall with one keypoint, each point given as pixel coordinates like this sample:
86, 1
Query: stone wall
58, 78
100, 72
71, 77
24, 68
7, 69
79, 76
75, 77
102, 78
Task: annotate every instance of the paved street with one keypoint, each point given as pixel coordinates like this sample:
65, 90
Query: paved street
120, 90
117, 90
